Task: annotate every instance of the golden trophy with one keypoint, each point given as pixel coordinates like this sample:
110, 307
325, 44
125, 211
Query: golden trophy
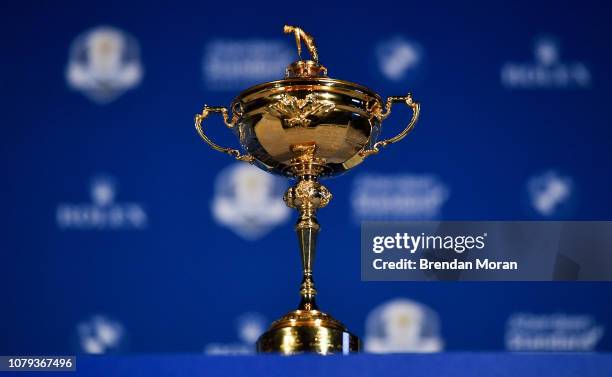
307, 126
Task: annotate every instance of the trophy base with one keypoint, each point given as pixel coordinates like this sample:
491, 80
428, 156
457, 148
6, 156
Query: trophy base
307, 331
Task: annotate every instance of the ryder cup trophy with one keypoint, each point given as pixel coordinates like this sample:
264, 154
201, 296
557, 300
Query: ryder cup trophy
306, 127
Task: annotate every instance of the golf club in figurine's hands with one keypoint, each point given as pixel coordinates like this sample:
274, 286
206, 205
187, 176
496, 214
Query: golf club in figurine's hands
307, 126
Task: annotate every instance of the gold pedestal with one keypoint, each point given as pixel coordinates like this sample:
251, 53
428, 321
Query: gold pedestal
307, 331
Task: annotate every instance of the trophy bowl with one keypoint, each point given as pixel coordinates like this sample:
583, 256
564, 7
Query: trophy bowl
333, 115
307, 126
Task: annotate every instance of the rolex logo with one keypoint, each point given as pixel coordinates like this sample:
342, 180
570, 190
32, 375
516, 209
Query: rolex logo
103, 212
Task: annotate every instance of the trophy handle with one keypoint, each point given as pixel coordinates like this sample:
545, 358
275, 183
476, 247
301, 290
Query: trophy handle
199, 118
415, 106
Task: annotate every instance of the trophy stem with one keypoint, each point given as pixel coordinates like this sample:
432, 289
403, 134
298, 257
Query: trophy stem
307, 237
307, 196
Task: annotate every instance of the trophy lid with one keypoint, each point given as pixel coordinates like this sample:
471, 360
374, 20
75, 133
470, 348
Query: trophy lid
306, 72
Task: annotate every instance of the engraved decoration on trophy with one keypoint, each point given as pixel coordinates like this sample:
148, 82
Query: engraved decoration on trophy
297, 112
306, 127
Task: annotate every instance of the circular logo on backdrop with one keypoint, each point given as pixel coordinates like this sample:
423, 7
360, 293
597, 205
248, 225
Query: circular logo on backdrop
100, 335
402, 325
249, 201
104, 62
399, 60
551, 194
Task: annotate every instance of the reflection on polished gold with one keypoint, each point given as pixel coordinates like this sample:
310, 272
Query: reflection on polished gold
307, 127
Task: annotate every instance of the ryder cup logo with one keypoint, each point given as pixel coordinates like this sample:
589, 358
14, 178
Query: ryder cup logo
102, 213
550, 193
402, 326
249, 201
553, 332
104, 63
548, 70
398, 197
236, 64
399, 60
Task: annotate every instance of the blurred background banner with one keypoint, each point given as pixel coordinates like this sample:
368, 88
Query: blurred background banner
121, 232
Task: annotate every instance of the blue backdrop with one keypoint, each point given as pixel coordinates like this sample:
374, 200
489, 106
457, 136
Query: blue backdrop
108, 228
